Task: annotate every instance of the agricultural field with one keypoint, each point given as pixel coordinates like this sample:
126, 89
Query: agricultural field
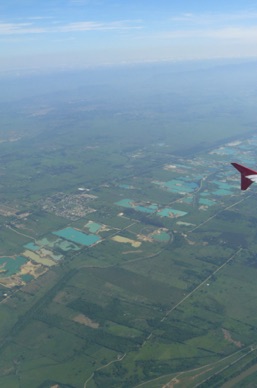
125, 260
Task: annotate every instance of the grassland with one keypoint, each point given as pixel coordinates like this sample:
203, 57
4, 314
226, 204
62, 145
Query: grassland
128, 311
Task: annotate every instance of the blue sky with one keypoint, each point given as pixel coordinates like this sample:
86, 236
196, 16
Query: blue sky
45, 34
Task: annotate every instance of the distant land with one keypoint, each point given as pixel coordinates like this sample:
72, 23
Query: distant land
127, 249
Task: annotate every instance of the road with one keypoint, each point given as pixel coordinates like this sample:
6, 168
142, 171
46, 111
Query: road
218, 212
194, 290
118, 359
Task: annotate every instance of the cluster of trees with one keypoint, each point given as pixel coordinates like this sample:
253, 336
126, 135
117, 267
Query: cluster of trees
111, 341
171, 333
91, 310
112, 312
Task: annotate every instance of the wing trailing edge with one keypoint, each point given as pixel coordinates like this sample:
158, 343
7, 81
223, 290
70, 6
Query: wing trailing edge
248, 176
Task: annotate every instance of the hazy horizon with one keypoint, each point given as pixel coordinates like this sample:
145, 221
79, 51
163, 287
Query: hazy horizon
73, 34
192, 105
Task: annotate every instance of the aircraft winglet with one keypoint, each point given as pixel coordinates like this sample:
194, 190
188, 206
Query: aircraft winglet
248, 176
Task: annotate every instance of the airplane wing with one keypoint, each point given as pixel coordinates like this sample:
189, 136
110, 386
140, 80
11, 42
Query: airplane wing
253, 178
248, 176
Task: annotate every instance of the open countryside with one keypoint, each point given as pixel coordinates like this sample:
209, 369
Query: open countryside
127, 260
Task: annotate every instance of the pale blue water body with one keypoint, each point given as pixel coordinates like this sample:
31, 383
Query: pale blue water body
127, 187
153, 206
58, 243
198, 177
32, 247
231, 151
189, 179
253, 141
183, 166
125, 203
66, 246
221, 192
212, 169
93, 227
129, 203
145, 209
161, 237
177, 190
228, 173
206, 202
226, 151
11, 266
223, 188
192, 185
245, 147
45, 242
169, 212
77, 236
179, 186
222, 185
54, 256
27, 277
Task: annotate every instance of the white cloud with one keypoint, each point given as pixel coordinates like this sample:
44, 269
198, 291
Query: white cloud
30, 28
19, 28
226, 33
94, 26
215, 18
234, 33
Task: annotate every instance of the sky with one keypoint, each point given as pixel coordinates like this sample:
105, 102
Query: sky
70, 34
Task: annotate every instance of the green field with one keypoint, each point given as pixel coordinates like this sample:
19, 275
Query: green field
169, 292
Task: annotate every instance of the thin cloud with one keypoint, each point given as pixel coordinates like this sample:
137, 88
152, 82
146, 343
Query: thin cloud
94, 26
19, 28
214, 18
39, 17
30, 28
233, 33
226, 33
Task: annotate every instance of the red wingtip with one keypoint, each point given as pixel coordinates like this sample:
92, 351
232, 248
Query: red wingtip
244, 171
245, 182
